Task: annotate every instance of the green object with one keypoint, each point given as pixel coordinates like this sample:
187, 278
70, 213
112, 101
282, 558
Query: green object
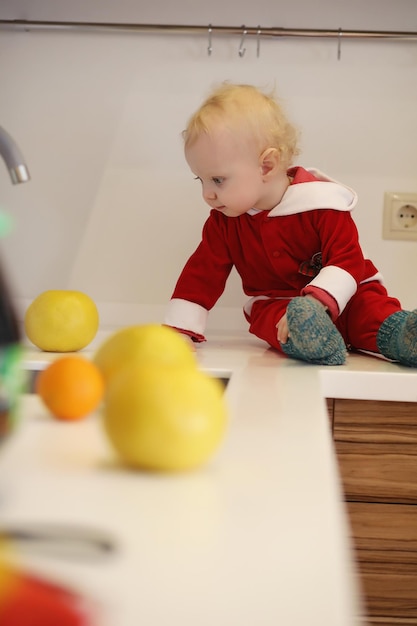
11, 387
11, 371
6, 224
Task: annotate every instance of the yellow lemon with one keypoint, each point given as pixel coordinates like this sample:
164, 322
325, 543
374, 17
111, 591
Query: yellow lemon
61, 321
164, 418
145, 344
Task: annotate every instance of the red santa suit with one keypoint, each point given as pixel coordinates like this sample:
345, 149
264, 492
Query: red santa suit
307, 244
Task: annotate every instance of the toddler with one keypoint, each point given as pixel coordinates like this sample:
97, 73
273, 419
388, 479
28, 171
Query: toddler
290, 235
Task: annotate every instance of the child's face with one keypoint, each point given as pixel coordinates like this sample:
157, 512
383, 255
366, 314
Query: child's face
229, 168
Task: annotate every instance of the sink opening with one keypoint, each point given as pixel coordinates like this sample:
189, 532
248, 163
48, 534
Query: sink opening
32, 374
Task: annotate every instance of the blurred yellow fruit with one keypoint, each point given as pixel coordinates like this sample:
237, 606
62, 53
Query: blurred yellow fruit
146, 344
61, 321
164, 418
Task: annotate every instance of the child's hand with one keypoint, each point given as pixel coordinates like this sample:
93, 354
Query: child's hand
283, 332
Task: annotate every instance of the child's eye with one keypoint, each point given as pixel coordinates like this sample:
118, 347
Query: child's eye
218, 180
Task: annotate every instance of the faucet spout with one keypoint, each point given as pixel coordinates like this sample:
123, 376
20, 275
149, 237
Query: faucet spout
13, 158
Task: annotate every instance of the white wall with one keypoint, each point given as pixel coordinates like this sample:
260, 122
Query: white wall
112, 208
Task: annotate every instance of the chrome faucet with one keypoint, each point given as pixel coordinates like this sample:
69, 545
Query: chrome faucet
13, 158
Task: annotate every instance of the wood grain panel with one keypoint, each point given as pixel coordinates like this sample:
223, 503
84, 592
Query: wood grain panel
368, 421
388, 621
378, 472
385, 529
385, 538
376, 445
389, 594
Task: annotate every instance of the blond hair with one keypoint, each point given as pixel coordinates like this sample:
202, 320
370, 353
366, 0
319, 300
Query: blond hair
244, 108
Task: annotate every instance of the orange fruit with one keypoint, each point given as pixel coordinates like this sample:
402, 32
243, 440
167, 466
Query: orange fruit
70, 387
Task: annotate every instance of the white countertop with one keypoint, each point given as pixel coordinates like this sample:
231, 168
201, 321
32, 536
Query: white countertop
258, 536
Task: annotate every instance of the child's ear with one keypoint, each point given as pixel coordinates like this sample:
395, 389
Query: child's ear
269, 161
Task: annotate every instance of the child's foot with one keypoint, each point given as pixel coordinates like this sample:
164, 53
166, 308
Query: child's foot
397, 337
313, 336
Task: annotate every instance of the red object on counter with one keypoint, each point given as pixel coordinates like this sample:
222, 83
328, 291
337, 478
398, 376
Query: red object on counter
32, 601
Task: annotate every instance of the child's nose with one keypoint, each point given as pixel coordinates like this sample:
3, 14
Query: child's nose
209, 193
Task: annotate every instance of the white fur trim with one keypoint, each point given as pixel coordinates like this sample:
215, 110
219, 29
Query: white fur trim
324, 193
337, 282
378, 277
249, 304
322, 176
186, 315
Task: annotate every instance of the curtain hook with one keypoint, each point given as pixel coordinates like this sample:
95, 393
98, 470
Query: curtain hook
339, 44
210, 47
258, 41
242, 50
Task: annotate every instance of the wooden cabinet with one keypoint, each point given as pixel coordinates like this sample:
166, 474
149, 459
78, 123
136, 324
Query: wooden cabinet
376, 445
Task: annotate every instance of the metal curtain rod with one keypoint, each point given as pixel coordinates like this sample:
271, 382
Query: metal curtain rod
258, 31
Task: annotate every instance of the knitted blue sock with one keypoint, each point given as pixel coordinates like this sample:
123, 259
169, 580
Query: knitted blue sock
313, 336
397, 337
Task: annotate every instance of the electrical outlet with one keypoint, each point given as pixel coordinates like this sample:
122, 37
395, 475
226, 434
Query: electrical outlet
400, 216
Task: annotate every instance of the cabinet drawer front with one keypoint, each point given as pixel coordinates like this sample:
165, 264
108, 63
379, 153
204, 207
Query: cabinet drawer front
376, 445
386, 550
385, 532
378, 472
389, 621
365, 421
390, 593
